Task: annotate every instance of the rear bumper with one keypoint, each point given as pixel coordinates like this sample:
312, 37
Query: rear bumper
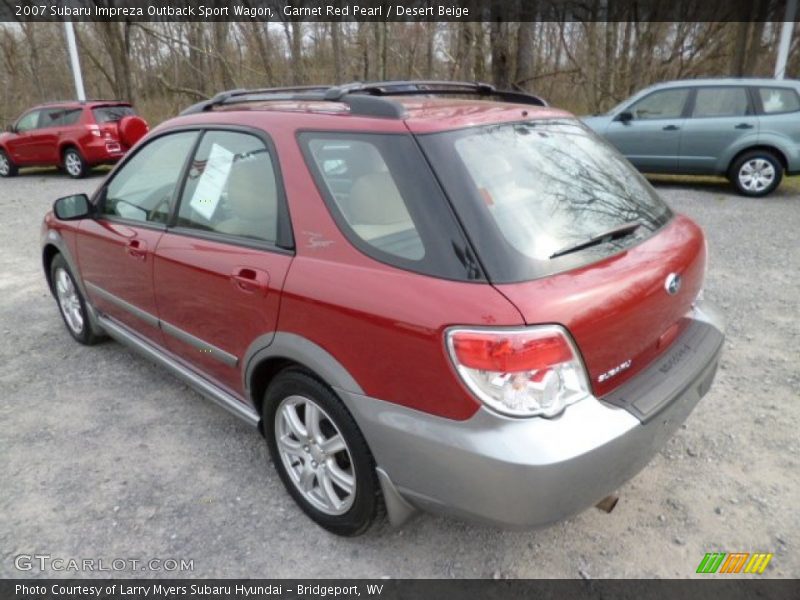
101, 151
533, 472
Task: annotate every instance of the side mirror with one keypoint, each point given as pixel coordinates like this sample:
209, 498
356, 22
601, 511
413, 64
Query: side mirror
70, 208
624, 117
11, 129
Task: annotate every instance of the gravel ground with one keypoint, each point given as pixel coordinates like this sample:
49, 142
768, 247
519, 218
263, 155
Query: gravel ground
105, 455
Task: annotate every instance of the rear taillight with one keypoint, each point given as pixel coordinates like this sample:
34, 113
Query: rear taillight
94, 130
533, 371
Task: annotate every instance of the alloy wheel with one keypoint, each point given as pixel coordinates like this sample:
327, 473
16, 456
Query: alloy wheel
69, 301
5, 166
315, 455
73, 163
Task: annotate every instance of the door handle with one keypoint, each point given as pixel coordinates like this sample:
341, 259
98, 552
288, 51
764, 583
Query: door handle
250, 280
137, 249
744, 126
670, 128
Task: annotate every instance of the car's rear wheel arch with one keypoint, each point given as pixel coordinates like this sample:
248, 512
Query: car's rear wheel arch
264, 373
760, 148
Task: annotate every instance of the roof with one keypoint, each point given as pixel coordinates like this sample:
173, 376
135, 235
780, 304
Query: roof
420, 106
88, 103
727, 81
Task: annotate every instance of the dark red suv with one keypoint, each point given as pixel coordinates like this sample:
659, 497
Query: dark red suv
73, 135
425, 295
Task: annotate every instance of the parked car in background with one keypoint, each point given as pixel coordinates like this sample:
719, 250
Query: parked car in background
75, 136
475, 308
747, 130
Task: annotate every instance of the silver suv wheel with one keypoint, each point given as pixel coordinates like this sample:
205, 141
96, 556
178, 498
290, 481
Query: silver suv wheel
315, 455
5, 166
756, 175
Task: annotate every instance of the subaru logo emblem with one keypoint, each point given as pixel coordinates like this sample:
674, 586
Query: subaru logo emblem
672, 284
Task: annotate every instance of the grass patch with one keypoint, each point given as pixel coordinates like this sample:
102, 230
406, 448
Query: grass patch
790, 184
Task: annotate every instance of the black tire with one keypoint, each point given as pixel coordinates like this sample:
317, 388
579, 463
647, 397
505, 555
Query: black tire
83, 334
74, 164
752, 160
367, 503
7, 166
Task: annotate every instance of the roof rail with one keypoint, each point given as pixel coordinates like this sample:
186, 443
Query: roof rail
366, 98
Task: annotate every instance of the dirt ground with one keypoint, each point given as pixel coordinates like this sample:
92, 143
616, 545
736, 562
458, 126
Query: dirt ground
105, 455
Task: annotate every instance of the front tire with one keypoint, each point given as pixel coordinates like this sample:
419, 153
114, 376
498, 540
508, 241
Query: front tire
756, 173
74, 164
7, 166
320, 454
71, 303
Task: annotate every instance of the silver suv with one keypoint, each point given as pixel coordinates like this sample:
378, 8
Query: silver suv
745, 129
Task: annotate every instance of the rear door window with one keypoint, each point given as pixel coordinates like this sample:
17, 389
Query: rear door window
778, 100
384, 198
51, 117
721, 102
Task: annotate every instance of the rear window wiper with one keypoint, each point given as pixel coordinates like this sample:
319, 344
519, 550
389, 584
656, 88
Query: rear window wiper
620, 231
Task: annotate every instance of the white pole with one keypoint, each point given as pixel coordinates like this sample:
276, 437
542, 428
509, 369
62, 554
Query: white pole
786, 39
76, 63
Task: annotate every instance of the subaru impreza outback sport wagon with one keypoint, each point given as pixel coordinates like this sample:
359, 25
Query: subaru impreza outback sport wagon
425, 295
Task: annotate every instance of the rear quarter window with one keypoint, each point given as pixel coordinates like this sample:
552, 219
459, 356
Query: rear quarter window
385, 199
778, 100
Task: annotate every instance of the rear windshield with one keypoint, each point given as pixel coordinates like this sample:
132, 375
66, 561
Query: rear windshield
529, 190
107, 114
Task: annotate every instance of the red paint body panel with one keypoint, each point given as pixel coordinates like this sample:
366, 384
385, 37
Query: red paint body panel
119, 259
618, 308
196, 291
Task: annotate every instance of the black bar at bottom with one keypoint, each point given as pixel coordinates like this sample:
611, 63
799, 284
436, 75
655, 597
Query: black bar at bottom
713, 587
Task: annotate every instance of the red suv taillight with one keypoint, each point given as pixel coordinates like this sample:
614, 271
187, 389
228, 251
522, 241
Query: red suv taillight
521, 372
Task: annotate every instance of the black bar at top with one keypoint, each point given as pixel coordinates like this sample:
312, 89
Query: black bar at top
399, 11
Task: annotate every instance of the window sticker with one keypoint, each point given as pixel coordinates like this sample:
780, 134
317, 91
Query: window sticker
208, 192
773, 102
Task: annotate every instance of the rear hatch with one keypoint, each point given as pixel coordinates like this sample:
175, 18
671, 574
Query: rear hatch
108, 117
571, 234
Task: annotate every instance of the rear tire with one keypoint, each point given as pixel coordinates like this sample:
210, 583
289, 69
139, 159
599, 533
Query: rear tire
74, 164
756, 173
320, 454
7, 166
71, 303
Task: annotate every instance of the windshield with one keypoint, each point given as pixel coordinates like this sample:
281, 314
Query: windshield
107, 114
527, 190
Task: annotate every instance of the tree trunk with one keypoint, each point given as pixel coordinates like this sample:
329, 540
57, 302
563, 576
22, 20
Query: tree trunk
526, 59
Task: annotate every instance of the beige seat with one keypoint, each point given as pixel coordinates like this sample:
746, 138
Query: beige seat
376, 208
253, 198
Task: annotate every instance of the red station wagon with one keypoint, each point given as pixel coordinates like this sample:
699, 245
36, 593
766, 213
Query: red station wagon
425, 295
73, 135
